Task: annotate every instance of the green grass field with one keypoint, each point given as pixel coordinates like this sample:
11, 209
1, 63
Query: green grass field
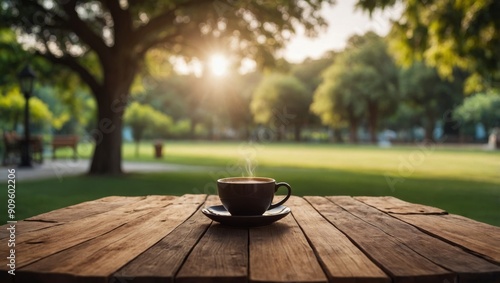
462, 181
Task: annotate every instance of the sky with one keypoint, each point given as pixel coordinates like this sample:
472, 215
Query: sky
343, 21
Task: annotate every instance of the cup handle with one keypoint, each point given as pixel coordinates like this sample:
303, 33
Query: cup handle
287, 196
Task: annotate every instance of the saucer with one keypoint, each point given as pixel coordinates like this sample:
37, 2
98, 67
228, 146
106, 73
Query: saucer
219, 214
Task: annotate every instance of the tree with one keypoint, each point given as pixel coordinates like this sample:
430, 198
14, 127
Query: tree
105, 43
62, 95
480, 108
422, 87
309, 71
362, 80
12, 109
407, 116
279, 93
337, 101
143, 118
448, 34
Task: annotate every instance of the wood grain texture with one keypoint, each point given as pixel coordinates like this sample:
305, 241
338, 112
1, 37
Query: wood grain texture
162, 261
220, 256
397, 206
468, 267
85, 209
400, 262
35, 245
70, 213
280, 253
25, 226
480, 238
342, 260
96, 259
335, 239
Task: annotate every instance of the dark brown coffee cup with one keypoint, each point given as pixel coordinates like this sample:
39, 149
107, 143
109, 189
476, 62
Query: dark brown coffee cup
249, 195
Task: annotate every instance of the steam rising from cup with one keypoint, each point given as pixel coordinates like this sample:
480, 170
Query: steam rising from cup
250, 166
248, 159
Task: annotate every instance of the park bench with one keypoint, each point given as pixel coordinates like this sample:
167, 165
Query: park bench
64, 141
12, 148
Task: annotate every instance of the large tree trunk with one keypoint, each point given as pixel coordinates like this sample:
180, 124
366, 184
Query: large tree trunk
111, 103
107, 157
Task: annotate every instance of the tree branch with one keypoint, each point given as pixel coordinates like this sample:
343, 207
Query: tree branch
158, 23
71, 63
83, 31
145, 46
122, 21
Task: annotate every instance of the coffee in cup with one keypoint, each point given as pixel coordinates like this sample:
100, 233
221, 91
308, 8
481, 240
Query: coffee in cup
249, 195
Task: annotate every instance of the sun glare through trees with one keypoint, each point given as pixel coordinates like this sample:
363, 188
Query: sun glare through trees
218, 65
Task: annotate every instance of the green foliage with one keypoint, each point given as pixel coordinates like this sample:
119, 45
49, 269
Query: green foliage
362, 83
407, 116
423, 88
480, 108
143, 118
336, 100
12, 109
448, 34
58, 89
181, 129
309, 71
10, 57
278, 93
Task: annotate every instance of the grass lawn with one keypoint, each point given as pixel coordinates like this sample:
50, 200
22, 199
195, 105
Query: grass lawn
462, 181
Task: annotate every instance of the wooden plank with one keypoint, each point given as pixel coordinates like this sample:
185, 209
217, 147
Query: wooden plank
74, 212
85, 209
480, 238
400, 262
397, 206
36, 245
161, 262
340, 258
469, 268
95, 260
25, 226
221, 255
280, 253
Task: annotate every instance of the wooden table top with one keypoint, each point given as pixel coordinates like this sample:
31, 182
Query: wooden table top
324, 239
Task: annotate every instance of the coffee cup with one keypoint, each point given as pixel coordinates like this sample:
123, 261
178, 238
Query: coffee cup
245, 196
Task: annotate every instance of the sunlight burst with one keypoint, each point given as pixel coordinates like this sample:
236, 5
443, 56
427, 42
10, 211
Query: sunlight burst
218, 65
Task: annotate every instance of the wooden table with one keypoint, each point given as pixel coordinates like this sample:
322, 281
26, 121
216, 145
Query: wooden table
325, 239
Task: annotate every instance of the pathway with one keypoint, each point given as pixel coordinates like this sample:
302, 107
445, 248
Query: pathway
64, 168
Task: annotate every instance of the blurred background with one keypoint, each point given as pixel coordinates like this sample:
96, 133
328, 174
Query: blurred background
357, 98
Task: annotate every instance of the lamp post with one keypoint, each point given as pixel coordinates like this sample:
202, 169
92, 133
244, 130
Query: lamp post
26, 81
